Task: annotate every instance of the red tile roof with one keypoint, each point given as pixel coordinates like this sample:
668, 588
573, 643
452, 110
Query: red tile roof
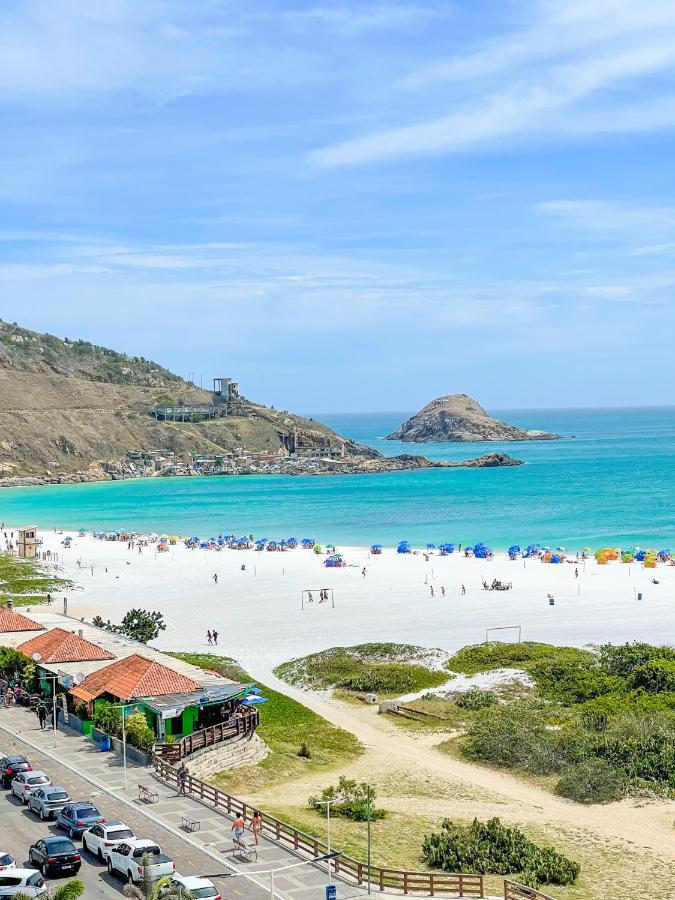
14, 621
133, 677
61, 646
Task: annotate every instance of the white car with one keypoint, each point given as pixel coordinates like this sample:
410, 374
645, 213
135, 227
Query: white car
7, 861
196, 886
101, 838
26, 782
28, 882
126, 859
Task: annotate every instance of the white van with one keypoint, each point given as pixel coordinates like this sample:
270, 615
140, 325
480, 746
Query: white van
22, 881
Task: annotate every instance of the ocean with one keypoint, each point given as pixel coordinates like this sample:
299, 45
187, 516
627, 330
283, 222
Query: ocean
609, 481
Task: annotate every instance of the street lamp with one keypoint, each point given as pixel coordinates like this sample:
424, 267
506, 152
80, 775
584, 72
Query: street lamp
328, 803
305, 862
123, 706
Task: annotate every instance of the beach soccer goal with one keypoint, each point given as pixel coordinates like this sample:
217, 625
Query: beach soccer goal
317, 597
516, 632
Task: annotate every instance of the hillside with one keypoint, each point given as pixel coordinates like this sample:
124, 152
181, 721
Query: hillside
71, 407
458, 417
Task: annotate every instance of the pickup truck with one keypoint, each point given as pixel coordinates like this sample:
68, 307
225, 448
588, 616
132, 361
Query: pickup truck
126, 860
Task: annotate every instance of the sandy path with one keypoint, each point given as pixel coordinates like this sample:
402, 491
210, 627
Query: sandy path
390, 749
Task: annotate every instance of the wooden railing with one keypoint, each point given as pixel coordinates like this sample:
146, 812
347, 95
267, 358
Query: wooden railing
380, 879
515, 891
237, 727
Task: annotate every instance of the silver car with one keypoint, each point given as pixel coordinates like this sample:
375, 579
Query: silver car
26, 782
47, 801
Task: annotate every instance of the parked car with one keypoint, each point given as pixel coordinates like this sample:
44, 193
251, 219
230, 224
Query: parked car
75, 818
196, 886
7, 861
11, 766
22, 881
48, 800
26, 782
99, 839
126, 859
55, 855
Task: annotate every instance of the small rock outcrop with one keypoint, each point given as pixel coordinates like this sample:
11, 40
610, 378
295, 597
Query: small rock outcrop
458, 417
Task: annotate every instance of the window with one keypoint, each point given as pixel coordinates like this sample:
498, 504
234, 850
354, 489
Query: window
97, 831
36, 880
140, 852
198, 893
55, 795
9, 881
119, 833
6, 859
40, 779
62, 846
84, 811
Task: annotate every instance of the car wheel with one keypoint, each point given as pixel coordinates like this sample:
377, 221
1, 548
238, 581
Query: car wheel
24, 800
130, 878
42, 814
110, 868
71, 832
100, 855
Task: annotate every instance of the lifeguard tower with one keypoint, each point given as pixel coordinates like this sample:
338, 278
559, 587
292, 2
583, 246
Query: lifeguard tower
27, 542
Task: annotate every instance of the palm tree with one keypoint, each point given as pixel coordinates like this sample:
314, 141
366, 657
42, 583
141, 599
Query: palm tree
71, 890
162, 889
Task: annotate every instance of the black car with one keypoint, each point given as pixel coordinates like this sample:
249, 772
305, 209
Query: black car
55, 855
10, 766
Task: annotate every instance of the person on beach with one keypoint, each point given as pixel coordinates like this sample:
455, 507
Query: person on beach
238, 827
576, 573
42, 716
442, 590
215, 578
463, 590
181, 778
215, 637
256, 826
363, 571
431, 588
208, 637
309, 597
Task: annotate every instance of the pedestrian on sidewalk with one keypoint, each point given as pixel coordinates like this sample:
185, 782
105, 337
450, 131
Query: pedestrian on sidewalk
238, 827
42, 715
256, 826
181, 778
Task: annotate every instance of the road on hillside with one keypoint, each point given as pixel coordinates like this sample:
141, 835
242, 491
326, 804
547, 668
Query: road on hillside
19, 829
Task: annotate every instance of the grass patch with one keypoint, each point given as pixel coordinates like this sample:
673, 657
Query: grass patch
285, 725
27, 582
387, 669
527, 655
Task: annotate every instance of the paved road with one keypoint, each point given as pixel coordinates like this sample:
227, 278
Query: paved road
19, 829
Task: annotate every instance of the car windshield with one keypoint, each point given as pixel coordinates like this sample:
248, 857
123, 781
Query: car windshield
197, 893
6, 859
63, 846
82, 812
15, 760
140, 852
120, 833
39, 779
57, 795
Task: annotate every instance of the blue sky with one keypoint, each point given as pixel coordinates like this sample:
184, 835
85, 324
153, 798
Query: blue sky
349, 205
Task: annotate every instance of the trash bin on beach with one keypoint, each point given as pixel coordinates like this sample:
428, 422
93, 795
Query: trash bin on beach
243, 568
105, 743
551, 601
639, 596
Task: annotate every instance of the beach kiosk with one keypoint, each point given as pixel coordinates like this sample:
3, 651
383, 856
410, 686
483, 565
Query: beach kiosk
27, 542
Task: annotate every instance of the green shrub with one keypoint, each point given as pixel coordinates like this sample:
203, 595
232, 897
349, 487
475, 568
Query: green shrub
304, 752
591, 781
138, 732
513, 737
354, 802
476, 699
625, 658
521, 655
491, 848
655, 676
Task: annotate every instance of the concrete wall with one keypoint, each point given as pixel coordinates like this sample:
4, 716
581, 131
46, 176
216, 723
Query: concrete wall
245, 752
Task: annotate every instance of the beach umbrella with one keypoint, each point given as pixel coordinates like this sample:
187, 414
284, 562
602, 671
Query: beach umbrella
253, 701
376, 547
254, 690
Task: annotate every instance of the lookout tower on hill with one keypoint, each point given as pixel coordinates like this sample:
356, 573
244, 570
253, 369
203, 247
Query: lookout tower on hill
225, 391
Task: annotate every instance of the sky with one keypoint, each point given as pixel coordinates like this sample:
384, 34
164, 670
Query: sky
349, 206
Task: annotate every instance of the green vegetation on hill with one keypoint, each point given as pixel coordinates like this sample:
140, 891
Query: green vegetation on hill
27, 582
286, 726
602, 722
388, 669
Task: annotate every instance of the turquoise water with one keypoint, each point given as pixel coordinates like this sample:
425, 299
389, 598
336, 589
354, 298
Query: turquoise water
610, 481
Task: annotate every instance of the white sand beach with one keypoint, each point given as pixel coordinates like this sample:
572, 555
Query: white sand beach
256, 604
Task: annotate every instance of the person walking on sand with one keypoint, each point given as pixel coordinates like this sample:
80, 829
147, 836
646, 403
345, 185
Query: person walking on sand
442, 590
463, 590
256, 826
215, 638
238, 827
363, 571
431, 588
576, 573
215, 578
181, 779
209, 637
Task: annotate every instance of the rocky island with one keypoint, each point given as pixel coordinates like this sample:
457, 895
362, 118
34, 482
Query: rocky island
458, 417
